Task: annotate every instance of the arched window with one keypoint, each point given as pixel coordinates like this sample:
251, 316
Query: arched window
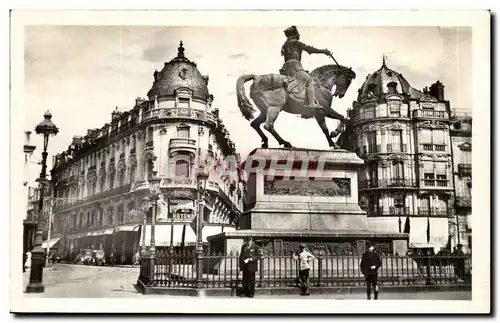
132, 173
121, 179
111, 181
182, 168
103, 184
110, 216
391, 87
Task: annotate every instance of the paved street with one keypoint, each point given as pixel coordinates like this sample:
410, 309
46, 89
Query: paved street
77, 281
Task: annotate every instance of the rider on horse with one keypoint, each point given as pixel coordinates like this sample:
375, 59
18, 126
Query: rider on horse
292, 52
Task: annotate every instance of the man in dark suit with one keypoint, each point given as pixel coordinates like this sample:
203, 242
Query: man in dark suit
249, 256
370, 264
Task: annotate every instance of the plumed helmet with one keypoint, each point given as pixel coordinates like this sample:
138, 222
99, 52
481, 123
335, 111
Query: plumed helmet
291, 31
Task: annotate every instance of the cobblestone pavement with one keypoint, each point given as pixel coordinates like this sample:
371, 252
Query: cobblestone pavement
78, 281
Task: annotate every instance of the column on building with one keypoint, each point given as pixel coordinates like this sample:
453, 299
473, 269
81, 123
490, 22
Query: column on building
139, 153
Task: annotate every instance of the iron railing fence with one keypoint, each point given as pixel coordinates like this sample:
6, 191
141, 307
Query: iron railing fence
222, 271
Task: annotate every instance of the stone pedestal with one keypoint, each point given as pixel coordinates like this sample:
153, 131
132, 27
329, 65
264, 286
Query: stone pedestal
305, 196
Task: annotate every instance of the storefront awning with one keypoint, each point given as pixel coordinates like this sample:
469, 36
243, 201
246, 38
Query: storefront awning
98, 233
428, 232
50, 243
134, 227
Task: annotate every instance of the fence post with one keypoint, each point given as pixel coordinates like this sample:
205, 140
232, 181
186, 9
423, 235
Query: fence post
428, 279
320, 274
261, 271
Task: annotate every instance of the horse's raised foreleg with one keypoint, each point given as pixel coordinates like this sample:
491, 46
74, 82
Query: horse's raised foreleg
256, 125
322, 123
272, 114
332, 114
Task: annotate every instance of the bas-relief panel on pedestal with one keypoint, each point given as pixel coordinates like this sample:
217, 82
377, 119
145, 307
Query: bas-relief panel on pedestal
307, 187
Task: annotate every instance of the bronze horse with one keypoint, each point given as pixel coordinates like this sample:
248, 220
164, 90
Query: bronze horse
270, 95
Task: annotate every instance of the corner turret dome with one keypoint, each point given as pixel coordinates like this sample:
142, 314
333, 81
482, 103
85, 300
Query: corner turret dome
387, 81
179, 73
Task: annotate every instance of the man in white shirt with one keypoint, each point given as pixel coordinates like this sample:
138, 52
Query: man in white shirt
305, 258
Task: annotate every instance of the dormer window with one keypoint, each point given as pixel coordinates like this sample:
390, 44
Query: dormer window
391, 88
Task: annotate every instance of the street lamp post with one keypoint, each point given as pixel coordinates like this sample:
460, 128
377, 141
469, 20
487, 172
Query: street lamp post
146, 205
201, 182
46, 128
154, 189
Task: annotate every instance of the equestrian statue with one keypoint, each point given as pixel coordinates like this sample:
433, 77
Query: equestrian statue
295, 91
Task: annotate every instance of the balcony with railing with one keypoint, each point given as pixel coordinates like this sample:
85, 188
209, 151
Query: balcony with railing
182, 144
95, 197
378, 114
396, 148
434, 212
432, 147
151, 114
387, 183
431, 114
465, 170
436, 183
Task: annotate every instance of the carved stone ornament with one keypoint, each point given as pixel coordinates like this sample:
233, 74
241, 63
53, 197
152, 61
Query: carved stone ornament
140, 135
307, 187
183, 73
432, 125
132, 162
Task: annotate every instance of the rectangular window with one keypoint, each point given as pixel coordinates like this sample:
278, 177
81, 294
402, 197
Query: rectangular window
183, 132
397, 170
396, 138
372, 141
183, 103
395, 109
425, 136
370, 112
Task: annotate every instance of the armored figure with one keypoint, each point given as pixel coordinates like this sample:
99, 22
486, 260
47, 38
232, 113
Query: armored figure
292, 52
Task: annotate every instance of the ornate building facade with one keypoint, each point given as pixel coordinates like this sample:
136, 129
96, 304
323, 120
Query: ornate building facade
461, 141
102, 178
403, 135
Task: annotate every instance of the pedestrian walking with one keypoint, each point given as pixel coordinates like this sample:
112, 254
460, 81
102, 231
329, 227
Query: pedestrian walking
370, 263
25, 257
249, 257
112, 258
137, 259
305, 258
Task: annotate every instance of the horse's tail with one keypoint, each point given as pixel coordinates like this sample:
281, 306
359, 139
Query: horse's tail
244, 103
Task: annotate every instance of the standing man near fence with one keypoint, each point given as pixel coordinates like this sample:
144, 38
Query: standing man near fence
249, 257
370, 263
305, 258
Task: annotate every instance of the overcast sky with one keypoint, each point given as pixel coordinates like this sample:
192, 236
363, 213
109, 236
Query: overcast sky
81, 73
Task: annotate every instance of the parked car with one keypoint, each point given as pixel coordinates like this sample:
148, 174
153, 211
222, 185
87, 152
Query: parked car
85, 257
99, 258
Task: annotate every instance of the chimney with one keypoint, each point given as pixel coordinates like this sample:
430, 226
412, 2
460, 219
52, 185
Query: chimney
139, 101
437, 91
115, 114
77, 141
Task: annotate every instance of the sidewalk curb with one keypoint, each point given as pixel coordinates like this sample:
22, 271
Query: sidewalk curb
141, 288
